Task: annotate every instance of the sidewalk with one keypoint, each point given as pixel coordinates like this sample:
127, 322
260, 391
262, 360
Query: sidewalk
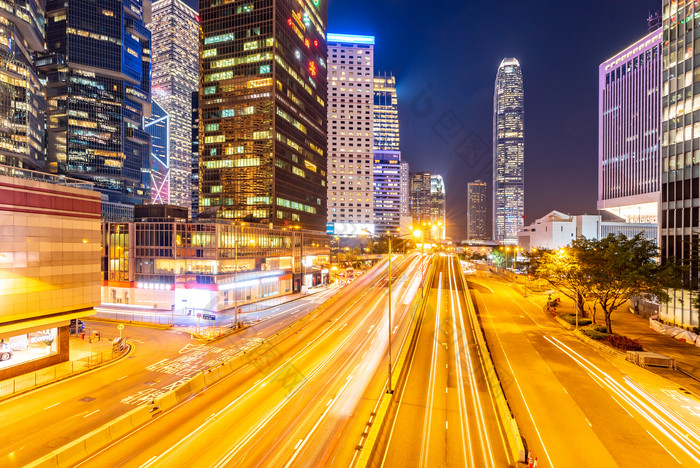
626, 323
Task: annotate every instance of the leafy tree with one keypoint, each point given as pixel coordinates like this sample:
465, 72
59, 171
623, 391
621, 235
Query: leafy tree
564, 270
618, 267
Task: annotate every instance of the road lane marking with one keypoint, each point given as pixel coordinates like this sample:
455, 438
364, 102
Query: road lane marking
90, 414
657, 441
122, 378
55, 404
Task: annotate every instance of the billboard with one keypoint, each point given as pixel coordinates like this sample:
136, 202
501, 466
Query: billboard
349, 230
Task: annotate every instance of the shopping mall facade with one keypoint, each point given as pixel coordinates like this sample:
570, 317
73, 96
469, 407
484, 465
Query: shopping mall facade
163, 261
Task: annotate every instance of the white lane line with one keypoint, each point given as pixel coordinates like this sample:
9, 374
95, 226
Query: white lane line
657, 441
122, 378
90, 414
55, 404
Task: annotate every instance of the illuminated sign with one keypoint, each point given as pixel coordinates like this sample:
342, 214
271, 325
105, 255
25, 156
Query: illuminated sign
349, 230
350, 38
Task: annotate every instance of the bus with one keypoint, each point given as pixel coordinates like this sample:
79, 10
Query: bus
349, 273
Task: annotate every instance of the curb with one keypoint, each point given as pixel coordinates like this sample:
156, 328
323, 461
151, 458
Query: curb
588, 340
131, 322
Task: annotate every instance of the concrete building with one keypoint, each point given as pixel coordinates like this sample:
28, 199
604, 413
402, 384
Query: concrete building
350, 130
405, 189
629, 131
175, 75
557, 229
162, 258
387, 192
49, 266
477, 210
508, 152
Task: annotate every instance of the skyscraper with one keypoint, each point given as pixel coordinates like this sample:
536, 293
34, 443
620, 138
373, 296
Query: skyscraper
99, 90
350, 129
680, 152
387, 192
428, 207
629, 131
262, 104
22, 104
194, 212
158, 125
476, 210
508, 152
175, 50
405, 183
419, 189
438, 209
386, 113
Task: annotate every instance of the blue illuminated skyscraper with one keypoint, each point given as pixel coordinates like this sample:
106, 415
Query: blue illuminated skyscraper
98, 71
508, 152
158, 175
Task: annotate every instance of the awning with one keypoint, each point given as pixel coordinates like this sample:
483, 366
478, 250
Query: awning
22, 327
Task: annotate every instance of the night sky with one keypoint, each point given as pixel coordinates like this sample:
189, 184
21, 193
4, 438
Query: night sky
445, 56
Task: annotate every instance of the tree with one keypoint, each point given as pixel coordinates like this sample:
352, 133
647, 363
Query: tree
564, 270
618, 267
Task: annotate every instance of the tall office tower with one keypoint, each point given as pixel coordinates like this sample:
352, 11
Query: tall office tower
680, 152
350, 131
387, 192
175, 75
262, 102
419, 184
438, 209
22, 103
386, 113
158, 125
194, 163
405, 182
98, 74
629, 131
508, 152
476, 210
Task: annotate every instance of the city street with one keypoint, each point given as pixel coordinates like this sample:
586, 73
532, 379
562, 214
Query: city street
574, 405
446, 416
162, 360
295, 402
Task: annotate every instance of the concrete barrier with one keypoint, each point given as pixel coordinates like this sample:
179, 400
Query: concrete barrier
73, 453
97, 439
120, 426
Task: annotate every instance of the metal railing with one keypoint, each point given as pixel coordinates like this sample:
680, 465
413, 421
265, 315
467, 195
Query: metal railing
57, 372
44, 177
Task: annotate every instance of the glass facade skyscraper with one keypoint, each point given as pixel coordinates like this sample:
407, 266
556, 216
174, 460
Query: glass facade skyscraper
98, 73
386, 113
629, 131
22, 102
476, 210
175, 75
159, 125
508, 152
428, 207
262, 108
387, 192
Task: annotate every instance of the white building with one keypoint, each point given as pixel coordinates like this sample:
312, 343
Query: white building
350, 131
557, 229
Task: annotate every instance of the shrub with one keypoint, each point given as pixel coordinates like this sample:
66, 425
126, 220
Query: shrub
571, 318
600, 328
623, 343
594, 333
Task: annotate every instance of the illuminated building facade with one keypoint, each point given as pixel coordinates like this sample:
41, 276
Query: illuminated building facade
350, 129
49, 265
508, 152
212, 265
387, 192
158, 125
98, 72
477, 210
175, 75
262, 101
679, 221
22, 102
629, 131
405, 181
194, 212
386, 113
428, 207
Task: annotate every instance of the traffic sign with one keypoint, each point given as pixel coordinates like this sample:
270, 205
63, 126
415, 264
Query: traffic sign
199, 315
120, 327
209, 317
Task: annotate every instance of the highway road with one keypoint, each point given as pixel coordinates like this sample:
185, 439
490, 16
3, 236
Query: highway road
445, 415
299, 402
576, 406
40, 421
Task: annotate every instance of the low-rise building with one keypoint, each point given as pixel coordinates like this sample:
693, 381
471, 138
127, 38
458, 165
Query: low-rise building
49, 266
557, 229
162, 260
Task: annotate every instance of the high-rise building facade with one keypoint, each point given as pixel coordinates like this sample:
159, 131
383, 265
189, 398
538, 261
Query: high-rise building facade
428, 208
194, 212
405, 182
387, 192
629, 131
508, 152
158, 125
419, 189
477, 210
98, 72
679, 222
350, 129
22, 103
175, 50
262, 101
438, 208
386, 113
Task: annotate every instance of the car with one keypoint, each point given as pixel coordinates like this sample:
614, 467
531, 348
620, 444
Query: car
77, 323
5, 352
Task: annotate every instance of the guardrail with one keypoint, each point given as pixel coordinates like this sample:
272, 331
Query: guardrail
510, 426
58, 372
81, 448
